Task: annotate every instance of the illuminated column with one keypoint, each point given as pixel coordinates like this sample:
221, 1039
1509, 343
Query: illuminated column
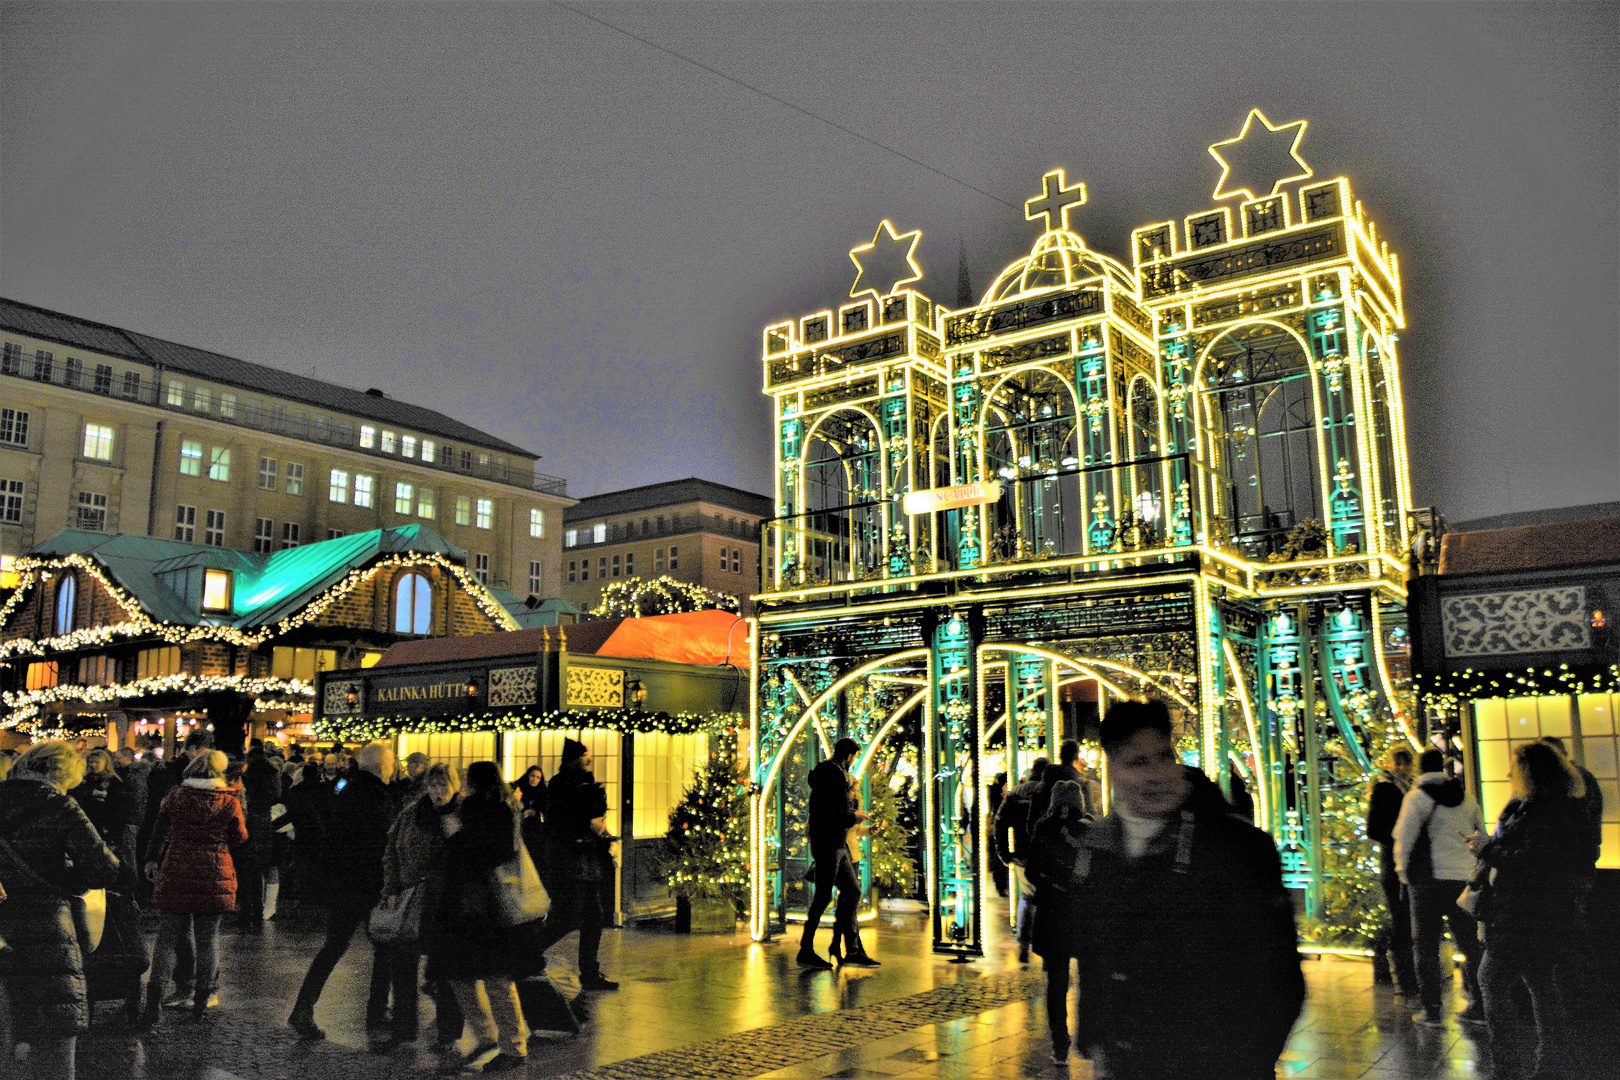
953, 736
1211, 733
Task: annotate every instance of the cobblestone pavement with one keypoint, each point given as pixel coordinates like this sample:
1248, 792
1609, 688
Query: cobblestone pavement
698, 1006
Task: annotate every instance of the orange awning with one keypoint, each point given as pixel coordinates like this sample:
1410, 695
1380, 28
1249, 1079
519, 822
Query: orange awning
693, 637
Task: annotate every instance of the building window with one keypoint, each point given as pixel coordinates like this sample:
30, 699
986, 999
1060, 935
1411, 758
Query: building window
573, 571
481, 568
264, 536
219, 464
427, 451
177, 393
268, 471
185, 523
537, 522
14, 427
278, 417
227, 406
156, 663
92, 510
424, 503
66, 595
407, 446
463, 510
202, 399
368, 437
674, 557
570, 537
72, 368
723, 558
11, 359
11, 501
534, 578
291, 534
295, 479
41, 674
98, 440
660, 524
736, 560
629, 564
44, 365
658, 560
486, 513
190, 458
216, 590
337, 489
585, 570
104, 379
599, 533
615, 566
363, 489
402, 498
601, 567
387, 442
132, 385
413, 605
335, 534
214, 529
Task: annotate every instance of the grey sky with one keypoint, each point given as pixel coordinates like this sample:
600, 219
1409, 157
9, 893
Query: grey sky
547, 228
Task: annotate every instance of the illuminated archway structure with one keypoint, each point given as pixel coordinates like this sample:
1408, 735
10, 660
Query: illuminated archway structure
1185, 478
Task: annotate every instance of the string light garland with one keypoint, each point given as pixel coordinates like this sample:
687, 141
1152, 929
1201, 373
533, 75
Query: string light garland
625, 721
1452, 689
26, 704
637, 598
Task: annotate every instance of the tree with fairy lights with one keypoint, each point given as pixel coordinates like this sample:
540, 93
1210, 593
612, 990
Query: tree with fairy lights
894, 871
634, 598
707, 857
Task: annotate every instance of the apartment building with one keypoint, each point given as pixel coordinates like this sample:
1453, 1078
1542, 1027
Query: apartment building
692, 530
108, 429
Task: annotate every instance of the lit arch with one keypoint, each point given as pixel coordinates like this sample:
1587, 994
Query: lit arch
413, 604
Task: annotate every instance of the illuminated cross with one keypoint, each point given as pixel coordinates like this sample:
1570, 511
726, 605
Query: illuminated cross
1055, 201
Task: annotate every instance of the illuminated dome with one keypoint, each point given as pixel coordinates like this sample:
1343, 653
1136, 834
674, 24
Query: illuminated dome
1058, 260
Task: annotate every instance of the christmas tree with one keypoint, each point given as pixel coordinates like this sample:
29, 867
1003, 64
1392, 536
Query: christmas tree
894, 871
707, 858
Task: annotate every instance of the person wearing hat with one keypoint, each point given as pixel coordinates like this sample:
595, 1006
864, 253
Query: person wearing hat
578, 871
408, 788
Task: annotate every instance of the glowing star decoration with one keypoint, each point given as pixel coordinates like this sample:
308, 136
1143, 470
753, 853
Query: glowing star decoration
1261, 159
890, 259
1055, 201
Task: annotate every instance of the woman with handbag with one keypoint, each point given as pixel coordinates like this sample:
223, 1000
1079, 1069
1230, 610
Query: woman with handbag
470, 941
50, 854
410, 887
195, 883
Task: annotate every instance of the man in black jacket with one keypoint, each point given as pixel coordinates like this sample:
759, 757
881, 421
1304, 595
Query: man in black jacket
579, 864
1394, 942
1011, 829
1189, 965
349, 878
831, 818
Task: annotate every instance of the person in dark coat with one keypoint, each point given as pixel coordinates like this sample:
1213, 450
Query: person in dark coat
1011, 828
1531, 909
194, 882
998, 868
1188, 949
1054, 851
1392, 949
49, 851
304, 824
1068, 755
578, 868
831, 818
530, 791
348, 882
256, 860
110, 805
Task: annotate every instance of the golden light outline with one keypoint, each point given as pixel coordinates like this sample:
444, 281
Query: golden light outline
915, 236
1050, 201
1293, 151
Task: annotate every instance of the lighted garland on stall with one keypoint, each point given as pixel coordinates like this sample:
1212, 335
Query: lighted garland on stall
26, 704
637, 598
626, 721
1452, 689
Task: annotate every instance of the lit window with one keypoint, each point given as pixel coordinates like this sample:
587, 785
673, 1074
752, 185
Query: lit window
264, 536
214, 529
104, 379
407, 446
98, 440
268, 471
185, 523
177, 393
427, 451
295, 478
338, 487
599, 533
424, 503
481, 568
11, 501
413, 605
463, 510
155, 663
674, 558
66, 594
537, 522
570, 537
41, 674
92, 511
14, 427
362, 489
227, 406
402, 498
387, 441
534, 578
190, 458
291, 533
368, 437
219, 463
216, 590
486, 513
202, 399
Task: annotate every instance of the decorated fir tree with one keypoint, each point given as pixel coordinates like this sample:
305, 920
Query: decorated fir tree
707, 857
894, 871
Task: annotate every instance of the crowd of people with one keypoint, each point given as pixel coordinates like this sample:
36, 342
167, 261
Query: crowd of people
461, 882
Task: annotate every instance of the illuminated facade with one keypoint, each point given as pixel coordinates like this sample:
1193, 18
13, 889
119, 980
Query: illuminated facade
1184, 478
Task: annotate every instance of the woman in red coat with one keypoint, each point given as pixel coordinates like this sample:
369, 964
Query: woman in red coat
201, 820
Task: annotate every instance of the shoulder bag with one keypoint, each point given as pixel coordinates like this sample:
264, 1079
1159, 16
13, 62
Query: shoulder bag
397, 919
1420, 863
519, 896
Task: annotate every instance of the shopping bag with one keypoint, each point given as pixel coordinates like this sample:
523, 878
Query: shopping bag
519, 896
